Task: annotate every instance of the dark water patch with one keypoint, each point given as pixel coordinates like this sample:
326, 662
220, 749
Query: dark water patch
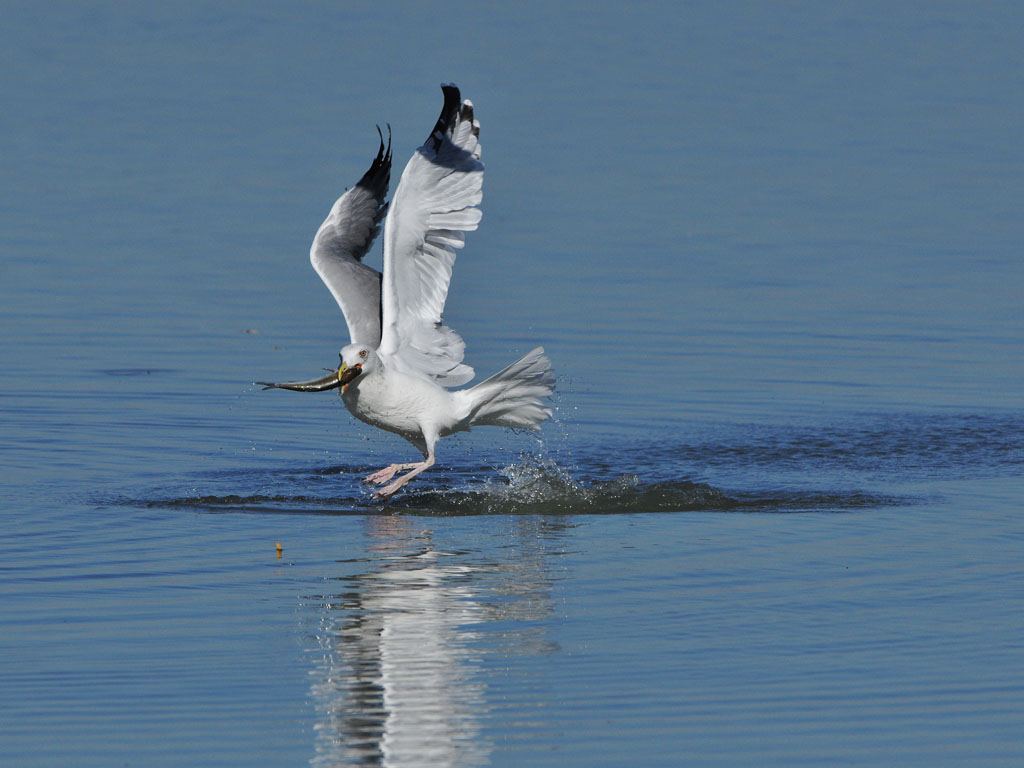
531, 486
818, 501
337, 469
280, 504
905, 445
133, 371
552, 492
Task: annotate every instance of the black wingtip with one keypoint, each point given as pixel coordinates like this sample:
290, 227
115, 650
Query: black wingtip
449, 114
384, 155
377, 178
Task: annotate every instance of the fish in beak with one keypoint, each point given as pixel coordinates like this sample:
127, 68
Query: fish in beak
333, 380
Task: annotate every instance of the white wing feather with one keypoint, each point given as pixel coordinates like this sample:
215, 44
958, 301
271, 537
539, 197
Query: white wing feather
436, 201
343, 240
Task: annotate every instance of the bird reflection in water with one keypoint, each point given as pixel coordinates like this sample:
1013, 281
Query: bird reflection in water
399, 679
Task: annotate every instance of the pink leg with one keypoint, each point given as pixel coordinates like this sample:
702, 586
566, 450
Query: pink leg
387, 473
390, 490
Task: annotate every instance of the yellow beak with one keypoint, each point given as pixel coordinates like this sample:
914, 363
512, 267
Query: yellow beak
346, 373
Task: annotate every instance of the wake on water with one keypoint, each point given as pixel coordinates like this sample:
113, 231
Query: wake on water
532, 485
730, 468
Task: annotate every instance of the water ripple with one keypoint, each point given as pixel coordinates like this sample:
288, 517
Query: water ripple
533, 485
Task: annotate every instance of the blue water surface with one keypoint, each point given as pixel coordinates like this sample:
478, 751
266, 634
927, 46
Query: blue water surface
774, 251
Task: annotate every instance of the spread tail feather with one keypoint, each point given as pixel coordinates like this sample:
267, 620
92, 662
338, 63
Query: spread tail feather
511, 397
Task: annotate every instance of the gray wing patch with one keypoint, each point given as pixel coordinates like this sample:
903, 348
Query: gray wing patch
375, 183
345, 238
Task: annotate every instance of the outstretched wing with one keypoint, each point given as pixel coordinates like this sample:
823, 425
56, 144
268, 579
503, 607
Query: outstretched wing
436, 201
343, 240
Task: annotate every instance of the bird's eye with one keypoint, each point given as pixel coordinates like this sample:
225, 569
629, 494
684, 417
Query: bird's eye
362, 353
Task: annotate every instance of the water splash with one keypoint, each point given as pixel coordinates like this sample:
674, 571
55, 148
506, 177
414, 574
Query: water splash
747, 470
536, 484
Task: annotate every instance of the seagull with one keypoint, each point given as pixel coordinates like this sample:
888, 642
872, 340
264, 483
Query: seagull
398, 370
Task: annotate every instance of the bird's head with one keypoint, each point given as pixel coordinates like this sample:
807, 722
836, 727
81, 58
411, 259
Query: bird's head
355, 360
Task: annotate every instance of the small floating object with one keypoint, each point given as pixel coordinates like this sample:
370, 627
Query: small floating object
280, 549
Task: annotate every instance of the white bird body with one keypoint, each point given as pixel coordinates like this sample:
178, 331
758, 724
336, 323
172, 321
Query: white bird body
409, 406
395, 373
